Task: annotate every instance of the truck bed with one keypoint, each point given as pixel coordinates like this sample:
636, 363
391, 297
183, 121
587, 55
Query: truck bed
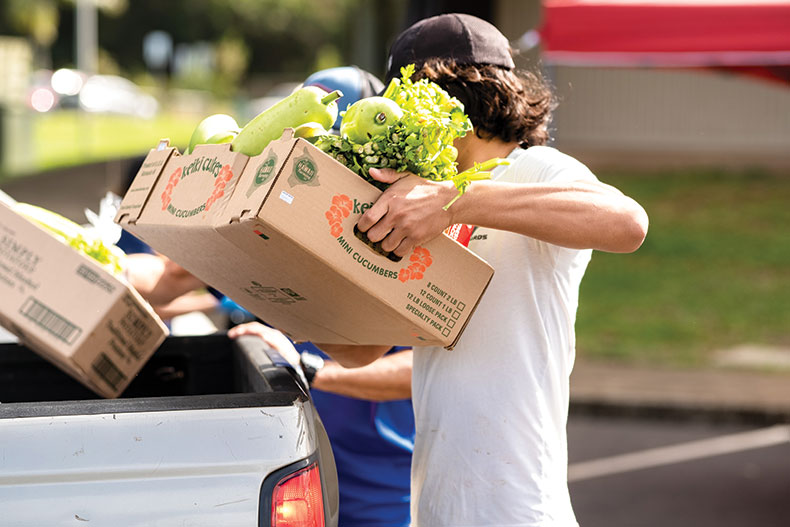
201, 437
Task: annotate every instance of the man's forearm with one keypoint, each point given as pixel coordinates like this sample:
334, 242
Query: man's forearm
159, 280
579, 215
352, 356
203, 302
385, 379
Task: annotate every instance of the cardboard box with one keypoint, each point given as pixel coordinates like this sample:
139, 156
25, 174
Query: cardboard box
69, 309
275, 233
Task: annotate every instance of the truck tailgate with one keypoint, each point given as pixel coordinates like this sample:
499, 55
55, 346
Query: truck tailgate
206, 457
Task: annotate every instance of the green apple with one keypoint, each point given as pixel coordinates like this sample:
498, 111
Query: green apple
221, 137
214, 129
369, 117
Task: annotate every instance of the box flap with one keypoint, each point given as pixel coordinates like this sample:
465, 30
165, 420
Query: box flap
258, 177
140, 190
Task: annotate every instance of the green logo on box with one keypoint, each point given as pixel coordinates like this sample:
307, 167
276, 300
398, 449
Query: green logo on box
305, 171
264, 173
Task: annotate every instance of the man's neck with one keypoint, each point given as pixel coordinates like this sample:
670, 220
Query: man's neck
472, 149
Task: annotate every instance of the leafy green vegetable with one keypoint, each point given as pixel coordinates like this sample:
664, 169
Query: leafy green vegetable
74, 235
421, 141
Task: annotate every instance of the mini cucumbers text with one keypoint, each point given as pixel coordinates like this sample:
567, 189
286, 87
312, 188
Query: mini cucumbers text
185, 213
364, 262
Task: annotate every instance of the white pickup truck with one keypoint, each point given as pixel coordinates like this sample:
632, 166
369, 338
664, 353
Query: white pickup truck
212, 432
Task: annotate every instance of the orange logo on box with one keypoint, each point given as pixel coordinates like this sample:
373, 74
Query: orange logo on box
420, 261
341, 208
175, 177
225, 175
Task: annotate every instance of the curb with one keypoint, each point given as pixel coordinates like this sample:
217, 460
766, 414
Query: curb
712, 394
670, 412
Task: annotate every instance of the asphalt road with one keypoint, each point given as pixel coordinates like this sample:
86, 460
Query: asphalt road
633, 472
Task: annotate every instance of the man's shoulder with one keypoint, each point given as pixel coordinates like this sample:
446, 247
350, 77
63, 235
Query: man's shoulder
546, 153
545, 163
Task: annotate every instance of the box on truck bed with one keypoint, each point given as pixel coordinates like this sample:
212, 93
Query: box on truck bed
70, 309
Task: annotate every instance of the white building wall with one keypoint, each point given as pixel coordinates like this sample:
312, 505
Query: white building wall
671, 117
629, 117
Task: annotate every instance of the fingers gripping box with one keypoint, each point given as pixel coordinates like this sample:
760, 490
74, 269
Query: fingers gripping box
278, 238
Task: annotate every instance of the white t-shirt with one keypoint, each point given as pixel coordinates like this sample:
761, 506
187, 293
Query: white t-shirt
491, 415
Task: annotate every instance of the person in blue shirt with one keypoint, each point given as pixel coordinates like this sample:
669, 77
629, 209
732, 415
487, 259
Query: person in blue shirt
368, 416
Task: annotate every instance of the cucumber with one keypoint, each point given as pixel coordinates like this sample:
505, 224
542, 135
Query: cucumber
305, 105
369, 117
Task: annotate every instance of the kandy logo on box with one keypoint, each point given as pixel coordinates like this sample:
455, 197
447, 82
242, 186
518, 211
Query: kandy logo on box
222, 175
341, 208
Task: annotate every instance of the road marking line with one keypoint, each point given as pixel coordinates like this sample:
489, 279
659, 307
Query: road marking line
656, 457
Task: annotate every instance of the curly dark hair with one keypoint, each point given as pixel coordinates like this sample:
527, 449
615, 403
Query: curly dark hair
509, 105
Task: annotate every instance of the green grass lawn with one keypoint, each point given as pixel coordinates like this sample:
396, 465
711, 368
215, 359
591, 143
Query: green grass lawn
713, 273
66, 138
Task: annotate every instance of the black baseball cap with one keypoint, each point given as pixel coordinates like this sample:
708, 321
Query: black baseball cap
458, 36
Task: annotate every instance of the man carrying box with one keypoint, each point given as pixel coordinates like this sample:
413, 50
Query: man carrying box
491, 447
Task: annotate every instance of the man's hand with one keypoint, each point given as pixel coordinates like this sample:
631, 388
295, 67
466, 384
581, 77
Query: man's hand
271, 337
408, 213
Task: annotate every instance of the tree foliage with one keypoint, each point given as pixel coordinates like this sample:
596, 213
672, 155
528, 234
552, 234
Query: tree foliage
279, 35
249, 38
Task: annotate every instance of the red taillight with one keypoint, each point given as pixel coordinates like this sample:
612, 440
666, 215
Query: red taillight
297, 500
